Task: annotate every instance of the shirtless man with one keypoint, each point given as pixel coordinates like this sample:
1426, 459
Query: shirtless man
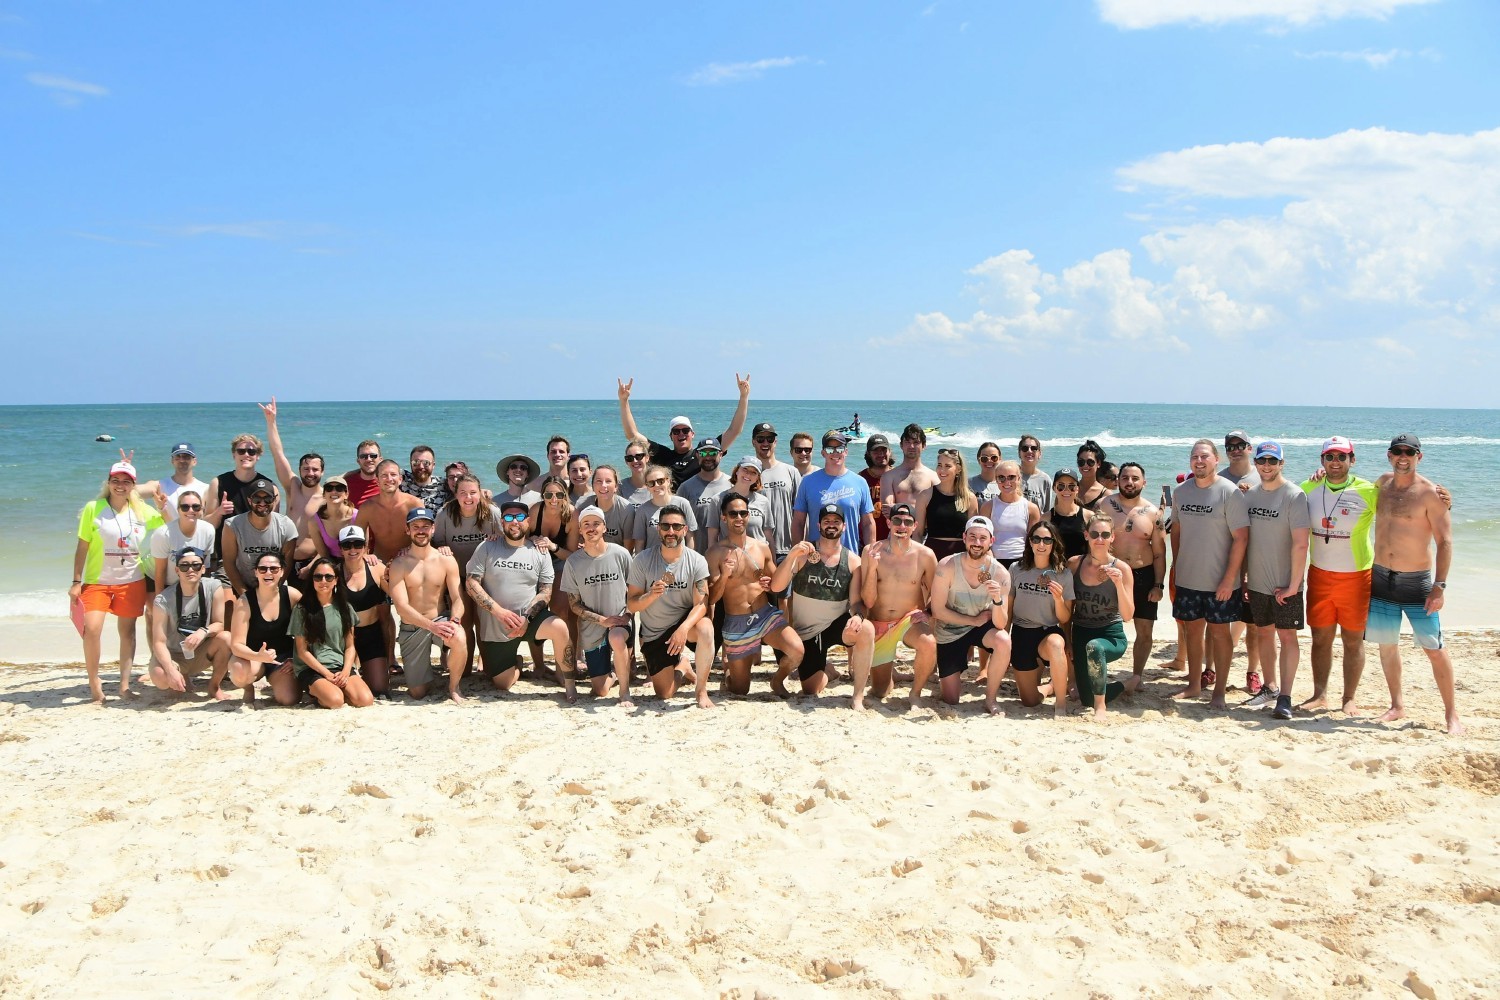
384, 517
1411, 518
418, 581
1141, 544
969, 591
905, 481
897, 587
595, 578
826, 607
559, 449
740, 574
303, 491
363, 483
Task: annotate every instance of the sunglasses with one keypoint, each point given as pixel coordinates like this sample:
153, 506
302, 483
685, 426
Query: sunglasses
1066, 487
656, 482
190, 506
1336, 456
368, 454
681, 431
325, 577
1008, 479
802, 451
353, 543
1030, 447
554, 496
1268, 460
247, 451
335, 488
582, 456
268, 569
512, 518
736, 513
1404, 451
677, 527
260, 498
190, 567
834, 449
707, 452
903, 521
422, 463
1088, 461
986, 459
1101, 534
1237, 446
1041, 540
635, 458
766, 440
948, 451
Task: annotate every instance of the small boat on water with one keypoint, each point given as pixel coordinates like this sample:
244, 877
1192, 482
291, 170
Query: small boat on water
105, 437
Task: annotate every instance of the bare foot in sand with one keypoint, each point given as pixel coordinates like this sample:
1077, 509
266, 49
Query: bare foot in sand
858, 704
1188, 693
1455, 728
627, 704
128, 693
456, 697
779, 687
222, 695
1316, 703
1395, 713
991, 708
1351, 709
1133, 684
1217, 703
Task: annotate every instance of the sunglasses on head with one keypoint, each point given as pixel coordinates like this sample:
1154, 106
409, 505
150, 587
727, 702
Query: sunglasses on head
582, 456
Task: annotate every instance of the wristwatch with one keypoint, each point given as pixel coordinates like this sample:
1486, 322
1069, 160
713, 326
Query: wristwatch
1441, 584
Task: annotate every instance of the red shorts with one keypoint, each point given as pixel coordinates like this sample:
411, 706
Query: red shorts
1341, 599
125, 600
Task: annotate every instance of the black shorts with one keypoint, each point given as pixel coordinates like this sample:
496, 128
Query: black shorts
953, 656
369, 642
654, 651
815, 648
498, 657
1264, 611
1192, 605
1145, 582
1026, 645
600, 660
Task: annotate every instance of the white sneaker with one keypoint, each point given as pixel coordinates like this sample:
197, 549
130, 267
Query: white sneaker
1265, 699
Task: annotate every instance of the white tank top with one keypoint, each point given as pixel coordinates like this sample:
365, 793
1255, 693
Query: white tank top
1011, 521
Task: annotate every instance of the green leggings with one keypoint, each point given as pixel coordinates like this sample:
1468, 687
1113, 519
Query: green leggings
1093, 651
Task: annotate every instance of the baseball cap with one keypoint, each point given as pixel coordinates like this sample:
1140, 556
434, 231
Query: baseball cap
750, 462
762, 428
877, 441
901, 509
1069, 472
834, 437
708, 444
122, 468
336, 481
421, 514
351, 532
183, 448
680, 421
1337, 443
515, 504
1236, 436
1406, 441
592, 511
260, 484
189, 550
979, 521
1269, 448
831, 509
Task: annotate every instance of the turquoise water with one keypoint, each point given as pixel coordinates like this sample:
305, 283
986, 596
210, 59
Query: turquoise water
50, 463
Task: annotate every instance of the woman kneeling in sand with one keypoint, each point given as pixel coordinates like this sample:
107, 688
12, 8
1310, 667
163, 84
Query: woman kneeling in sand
259, 636
323, 630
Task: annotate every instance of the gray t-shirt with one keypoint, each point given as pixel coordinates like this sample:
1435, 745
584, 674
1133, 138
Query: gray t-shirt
1206, 518
599, 583
1037, 488
778, 485
464, 537
1234, 477
168, 540
677, 600
619, 520
983, 490
704, 496
512, 576
197, 611
256, 542
1032, 604
646, 516
1274, 515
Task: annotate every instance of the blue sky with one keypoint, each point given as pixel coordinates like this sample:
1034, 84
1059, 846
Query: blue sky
1257, 201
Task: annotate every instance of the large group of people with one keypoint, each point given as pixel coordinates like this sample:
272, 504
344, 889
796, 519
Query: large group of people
337, 588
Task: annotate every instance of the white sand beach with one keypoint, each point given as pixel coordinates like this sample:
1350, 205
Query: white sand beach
514, 846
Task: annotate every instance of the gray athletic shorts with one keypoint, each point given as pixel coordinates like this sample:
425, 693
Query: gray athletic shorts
416, 653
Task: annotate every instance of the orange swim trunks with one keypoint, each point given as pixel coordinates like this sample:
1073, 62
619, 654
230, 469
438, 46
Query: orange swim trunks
1341, 599
124, 600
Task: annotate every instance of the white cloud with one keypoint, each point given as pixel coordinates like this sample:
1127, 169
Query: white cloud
65, 90
1371, 58
1137, 14
19, 55
715, 74
564, 350
1384, 239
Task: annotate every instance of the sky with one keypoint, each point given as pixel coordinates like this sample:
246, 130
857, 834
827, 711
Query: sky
1182, 201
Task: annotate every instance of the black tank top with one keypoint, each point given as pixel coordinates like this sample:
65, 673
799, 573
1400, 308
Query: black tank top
232, 488
944, 519
1070, 527
367, 597
272, 634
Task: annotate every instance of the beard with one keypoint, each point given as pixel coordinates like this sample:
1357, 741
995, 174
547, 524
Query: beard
977, 551
1130, 494
831, 530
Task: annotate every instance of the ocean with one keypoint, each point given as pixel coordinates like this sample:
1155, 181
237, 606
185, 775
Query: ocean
50, 463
